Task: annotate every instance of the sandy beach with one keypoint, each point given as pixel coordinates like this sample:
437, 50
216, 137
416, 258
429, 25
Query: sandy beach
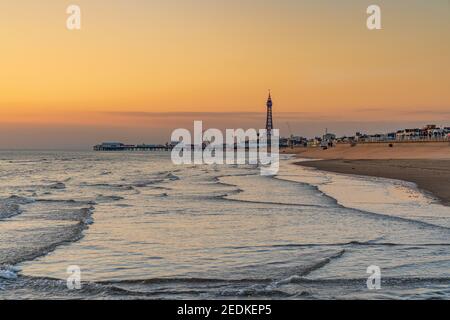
425, 164
424, 150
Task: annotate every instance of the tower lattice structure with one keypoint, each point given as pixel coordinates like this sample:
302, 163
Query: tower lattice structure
269, 121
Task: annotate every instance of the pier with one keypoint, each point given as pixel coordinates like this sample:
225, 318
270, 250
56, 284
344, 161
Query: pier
117, 146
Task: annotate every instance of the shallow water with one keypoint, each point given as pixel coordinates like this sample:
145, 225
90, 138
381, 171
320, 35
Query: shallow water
140, 227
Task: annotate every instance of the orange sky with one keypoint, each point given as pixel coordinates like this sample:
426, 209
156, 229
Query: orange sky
159, 56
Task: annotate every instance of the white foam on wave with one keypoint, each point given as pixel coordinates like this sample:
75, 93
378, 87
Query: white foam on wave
9, 272
372, 194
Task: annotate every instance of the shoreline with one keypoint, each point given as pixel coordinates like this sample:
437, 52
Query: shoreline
431, 176
427, 166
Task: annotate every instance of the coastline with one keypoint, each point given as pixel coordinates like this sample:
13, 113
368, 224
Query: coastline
426, 165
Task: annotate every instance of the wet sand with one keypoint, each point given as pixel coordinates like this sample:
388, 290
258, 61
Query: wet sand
429, 175
425, 164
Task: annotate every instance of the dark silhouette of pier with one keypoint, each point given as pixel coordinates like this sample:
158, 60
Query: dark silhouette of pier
117, 146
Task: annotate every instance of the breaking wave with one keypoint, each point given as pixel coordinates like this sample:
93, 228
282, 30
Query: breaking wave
48, 225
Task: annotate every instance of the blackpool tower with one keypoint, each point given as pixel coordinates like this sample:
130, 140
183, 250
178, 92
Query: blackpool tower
269, 123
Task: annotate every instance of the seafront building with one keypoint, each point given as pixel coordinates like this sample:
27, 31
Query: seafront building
428, 133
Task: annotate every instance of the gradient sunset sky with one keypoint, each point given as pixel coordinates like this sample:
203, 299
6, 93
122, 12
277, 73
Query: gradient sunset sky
140, 68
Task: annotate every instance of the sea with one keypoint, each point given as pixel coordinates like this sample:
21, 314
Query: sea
130, 225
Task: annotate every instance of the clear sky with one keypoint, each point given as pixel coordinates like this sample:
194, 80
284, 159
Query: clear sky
139, 68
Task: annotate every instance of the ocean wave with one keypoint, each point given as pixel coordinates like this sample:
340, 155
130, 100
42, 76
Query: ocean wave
386, 281
294, 287
187, 281
369, 243
377, 216
161, 177
300, 205
16, 286
10, 207
319, 264
21, 200
64, 225
267, 282
329, 201
335, 203
328, 178
256, 292
150, 181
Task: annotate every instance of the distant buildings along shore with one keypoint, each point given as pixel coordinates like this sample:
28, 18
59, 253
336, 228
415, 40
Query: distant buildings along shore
428, 133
